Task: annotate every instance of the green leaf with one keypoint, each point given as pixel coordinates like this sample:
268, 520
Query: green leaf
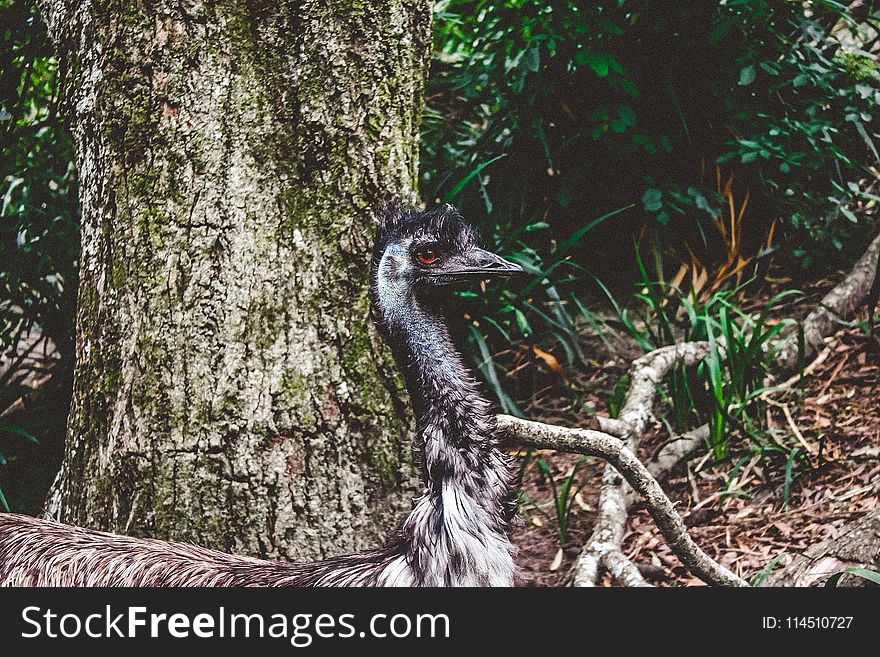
524, 327
761, 577
614, 65
18, 431
450, 197
747, 76
627, 115
651, 199
789, 464
532, 57
618, 396
597, 62
629, 87
578, 234
702, 202
497, 326
486, 365
846, 212
864, 573
720, 31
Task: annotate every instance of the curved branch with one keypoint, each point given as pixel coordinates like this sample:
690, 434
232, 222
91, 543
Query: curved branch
617, 453
646, 374
842, 301
677, 450
622, 569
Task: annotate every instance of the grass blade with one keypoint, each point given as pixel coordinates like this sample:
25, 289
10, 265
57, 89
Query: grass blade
486, 365
761, 577
451, 196
864, 573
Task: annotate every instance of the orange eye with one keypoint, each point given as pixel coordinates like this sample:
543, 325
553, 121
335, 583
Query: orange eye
427, 256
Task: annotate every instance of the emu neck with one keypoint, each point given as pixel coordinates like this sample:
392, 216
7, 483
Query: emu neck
438, 381
457, 531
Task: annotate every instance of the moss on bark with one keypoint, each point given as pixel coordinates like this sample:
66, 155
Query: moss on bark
229, 390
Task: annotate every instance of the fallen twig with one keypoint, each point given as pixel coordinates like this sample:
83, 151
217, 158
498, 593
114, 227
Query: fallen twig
808, 370
622, 569
833, 376
617, 453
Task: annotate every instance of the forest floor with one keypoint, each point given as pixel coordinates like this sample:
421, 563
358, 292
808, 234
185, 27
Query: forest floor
745, 510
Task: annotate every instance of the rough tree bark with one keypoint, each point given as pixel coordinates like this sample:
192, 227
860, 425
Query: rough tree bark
842, 301
856, 545
227, 389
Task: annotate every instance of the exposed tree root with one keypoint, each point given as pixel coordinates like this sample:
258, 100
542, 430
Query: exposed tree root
841, 302
622, 569
677, 450
857, 545
602, 549
617, 453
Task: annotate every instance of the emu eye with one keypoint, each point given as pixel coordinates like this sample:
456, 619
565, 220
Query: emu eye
427, 256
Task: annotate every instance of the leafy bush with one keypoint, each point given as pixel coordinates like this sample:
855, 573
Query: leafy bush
725, 390
719, 132
556, 112
803, 120
39, 246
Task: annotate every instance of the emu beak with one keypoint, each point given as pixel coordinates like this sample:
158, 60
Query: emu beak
476, 264
488, 263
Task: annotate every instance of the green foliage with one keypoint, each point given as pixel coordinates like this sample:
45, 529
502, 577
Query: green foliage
870, 575
511, 316
789, 473
858, 66
563, 495
506, 77
738, 365
762, 576
803, 118
725, 389
538, 110
39, 225
543, 115
618, 396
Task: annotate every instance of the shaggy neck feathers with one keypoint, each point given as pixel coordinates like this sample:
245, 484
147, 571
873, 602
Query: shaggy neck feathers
457, 532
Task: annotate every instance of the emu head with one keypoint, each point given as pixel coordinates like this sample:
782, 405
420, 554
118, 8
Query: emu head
418, 252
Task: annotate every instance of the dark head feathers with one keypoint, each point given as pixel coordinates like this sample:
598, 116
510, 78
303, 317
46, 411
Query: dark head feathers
443, 226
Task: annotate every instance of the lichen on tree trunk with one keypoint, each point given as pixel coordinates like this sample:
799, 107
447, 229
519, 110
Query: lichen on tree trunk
228, 390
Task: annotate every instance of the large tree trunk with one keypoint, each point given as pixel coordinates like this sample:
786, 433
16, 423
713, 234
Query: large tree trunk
228, 390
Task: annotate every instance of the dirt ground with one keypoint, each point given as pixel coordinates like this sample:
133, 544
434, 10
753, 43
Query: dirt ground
744, 511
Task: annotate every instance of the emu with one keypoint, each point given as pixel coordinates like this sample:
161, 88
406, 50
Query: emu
457, 531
